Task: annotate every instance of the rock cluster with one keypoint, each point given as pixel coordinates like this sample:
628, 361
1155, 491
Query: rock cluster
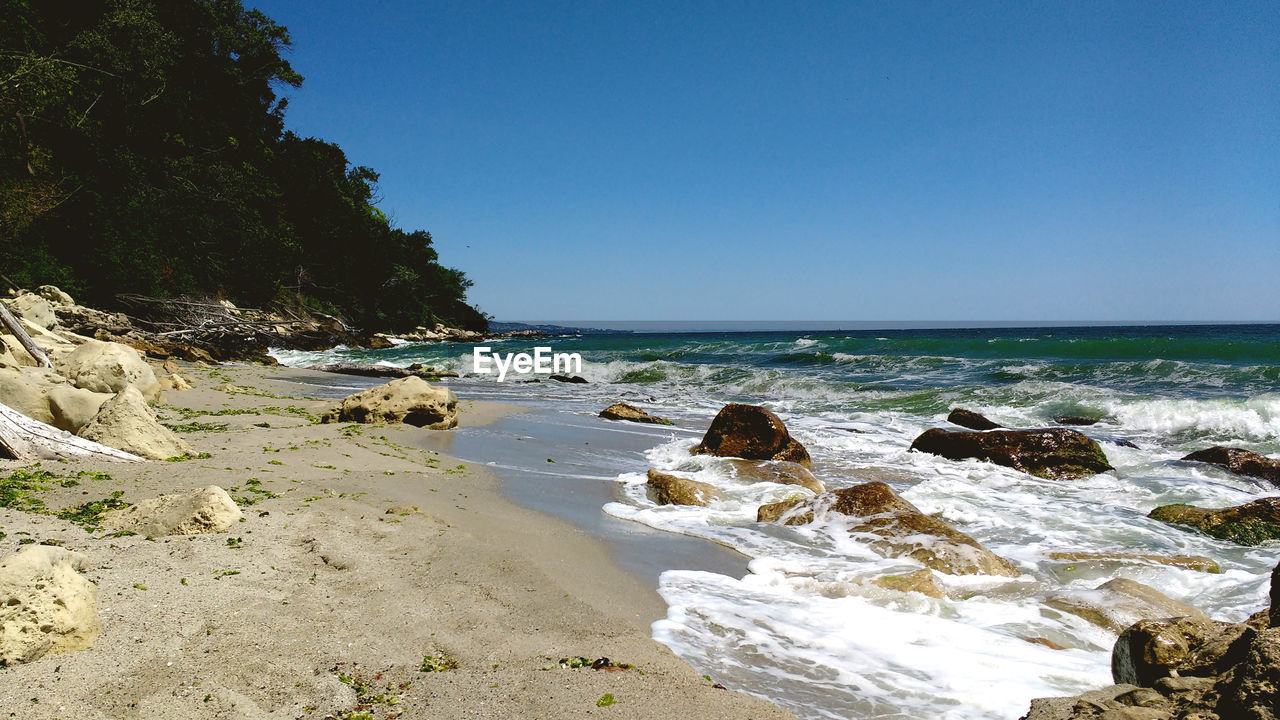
1240, 461
1252, 523
1186, 668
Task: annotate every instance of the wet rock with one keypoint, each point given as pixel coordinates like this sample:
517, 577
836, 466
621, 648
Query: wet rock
1190, 562
1178, 646
1275, 597
920, 581
1250, 524
631, 413
783, 472
1092, 704
1240, 461
578, 379
1119, 603
1075, 420
895, 528
753, 433
1054, 453
667, 489
108, 367
970, 419
125, 422
1253, 691
1046, 642
207, 510
410, 400
46, 605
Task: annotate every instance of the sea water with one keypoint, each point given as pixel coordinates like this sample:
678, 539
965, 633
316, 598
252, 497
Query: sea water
806, 626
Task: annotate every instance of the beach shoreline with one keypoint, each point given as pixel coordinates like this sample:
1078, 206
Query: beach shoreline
320, 602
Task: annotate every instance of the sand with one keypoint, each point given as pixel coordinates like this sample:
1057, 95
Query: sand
321, 604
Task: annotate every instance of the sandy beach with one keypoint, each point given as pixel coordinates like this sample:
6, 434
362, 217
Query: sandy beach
368, 576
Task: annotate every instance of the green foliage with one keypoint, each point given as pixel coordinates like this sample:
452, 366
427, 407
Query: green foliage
89, 515
605, 700
142, 149
438, 663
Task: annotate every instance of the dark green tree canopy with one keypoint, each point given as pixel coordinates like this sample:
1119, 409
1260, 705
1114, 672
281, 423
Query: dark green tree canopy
143, 150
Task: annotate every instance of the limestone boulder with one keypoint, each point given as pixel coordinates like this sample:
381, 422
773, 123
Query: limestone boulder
1119, 603
47, 605
1190, 562
54, 296
71, 408
410, 400
920, 581
631, 413
89, 321
1240, 461
894, 527
970, 419
1053, 453
668, 489
108, 367
125, 422
26, 389
34, 309
207, 510
783, 472
1250, 524
753, 433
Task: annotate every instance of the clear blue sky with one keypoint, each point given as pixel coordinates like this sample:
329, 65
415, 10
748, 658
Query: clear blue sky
817, 161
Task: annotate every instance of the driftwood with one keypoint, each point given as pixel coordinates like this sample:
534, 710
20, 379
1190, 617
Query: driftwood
30, 345
22, 438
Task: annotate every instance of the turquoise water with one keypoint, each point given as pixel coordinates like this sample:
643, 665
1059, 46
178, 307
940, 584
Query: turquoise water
806, 626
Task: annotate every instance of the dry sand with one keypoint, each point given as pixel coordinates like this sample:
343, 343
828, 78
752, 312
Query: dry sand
320, 593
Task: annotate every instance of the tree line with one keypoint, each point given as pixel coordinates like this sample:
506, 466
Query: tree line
143, 150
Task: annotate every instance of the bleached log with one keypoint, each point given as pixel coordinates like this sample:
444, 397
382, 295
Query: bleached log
26, 439
30, 345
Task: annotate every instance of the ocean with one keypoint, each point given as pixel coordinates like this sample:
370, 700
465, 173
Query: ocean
805, 626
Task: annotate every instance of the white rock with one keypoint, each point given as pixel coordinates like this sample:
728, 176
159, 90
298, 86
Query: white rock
34, 309
207, 510
126, 423
410, 400
108, 367
46, 605
26, 389
72, 408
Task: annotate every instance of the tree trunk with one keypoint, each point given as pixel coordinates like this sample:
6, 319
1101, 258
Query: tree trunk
25, 439
30, 345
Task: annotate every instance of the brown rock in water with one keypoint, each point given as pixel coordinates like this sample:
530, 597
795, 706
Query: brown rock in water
1240, 461
578, 379
920, 581
753, 433
1075, 420
409, 400
1250, 524
1190, 562
631, 413
667, 489
1054, 453
970, 419
783, 472
1178, 646
374, 370
1119, 603
897, 528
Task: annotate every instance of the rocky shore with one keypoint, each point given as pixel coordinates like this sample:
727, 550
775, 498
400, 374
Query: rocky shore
272, 554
